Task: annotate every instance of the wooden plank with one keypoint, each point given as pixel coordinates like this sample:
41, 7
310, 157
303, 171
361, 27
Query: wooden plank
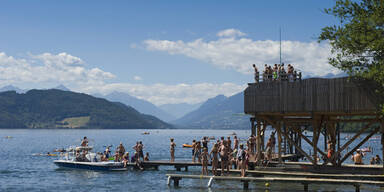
281, 179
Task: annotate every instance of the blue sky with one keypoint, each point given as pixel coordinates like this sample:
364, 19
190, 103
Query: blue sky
161, 51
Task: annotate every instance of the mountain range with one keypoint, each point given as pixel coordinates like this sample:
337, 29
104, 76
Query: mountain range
55, 108
220, 112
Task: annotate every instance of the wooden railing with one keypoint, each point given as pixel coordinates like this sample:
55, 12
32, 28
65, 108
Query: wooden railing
282, 76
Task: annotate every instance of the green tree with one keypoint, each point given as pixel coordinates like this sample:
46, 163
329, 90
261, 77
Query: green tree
358, 40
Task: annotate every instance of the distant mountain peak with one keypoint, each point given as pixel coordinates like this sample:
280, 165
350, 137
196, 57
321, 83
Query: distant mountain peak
62, 87
11, 88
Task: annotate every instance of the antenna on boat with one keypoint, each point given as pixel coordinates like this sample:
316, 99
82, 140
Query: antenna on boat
280, 43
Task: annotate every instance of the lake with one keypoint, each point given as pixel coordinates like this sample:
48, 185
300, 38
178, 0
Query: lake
20, 170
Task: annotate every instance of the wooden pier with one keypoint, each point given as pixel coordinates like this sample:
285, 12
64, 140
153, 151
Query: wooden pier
302, 180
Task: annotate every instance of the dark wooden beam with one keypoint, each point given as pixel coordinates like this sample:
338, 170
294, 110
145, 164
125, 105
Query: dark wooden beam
360, 144
270, 121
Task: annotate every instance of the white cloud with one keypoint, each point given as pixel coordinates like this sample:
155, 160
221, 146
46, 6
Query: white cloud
137, 78
162, 94
62, 68
72, 72
230, 33
239, 53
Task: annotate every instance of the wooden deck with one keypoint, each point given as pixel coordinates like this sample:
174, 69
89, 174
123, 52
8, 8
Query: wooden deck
315, 95
303, 180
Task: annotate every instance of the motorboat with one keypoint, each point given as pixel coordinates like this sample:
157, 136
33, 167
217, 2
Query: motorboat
83, 158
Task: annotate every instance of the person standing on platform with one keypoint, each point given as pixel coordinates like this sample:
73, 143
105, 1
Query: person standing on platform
172, 150
235, 143
214, 157
204, 161
193, 150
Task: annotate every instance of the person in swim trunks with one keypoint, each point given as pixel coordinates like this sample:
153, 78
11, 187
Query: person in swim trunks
204, 161
172, 150
214, 157
223, 152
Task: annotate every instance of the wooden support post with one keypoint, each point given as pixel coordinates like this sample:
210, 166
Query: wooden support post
316, 129
253, 128
246, 184
258, 142
278, 129
289, 140
186, 168
337, 154
338, 143
382, 140
305, 187
357, 188
176, 181
310, 142
178, 168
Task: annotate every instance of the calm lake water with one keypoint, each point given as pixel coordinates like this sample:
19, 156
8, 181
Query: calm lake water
20, 170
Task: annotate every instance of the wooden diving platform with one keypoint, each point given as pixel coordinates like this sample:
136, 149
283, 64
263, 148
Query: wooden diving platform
302, 180
322, 106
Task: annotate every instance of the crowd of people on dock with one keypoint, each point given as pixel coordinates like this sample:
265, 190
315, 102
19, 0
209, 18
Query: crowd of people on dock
229, 154
277, 72
225, 154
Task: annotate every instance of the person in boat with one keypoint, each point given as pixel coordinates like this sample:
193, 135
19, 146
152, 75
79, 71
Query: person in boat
197, 152
223, 152
84, 142
172, 150
193, 150
358, 158
204, 161
126, 158
378, 160
214, 158
146, 158
120, 151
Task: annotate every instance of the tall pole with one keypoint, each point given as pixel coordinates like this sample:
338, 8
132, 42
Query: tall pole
280, 43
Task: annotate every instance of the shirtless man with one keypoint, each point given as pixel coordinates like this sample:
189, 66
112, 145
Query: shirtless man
172, 150
146, 158
214, 157
256, 73
84, 142
229, 142
235, 143
204, 162
358, 158
140, 147
193, 150
204, 142
197, 152
120, 151
223, 151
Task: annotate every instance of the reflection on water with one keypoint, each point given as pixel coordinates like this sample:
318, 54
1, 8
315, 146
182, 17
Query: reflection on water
21, 171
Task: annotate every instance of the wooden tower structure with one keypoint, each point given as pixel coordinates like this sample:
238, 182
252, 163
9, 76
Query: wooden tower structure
321, 105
